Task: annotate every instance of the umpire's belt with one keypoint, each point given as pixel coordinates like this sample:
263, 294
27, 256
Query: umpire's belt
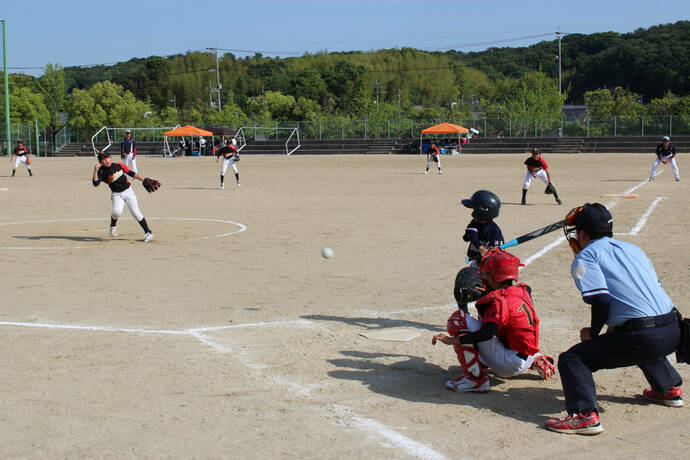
649, 321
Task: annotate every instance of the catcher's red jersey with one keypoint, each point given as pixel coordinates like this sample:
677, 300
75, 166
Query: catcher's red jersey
512, 310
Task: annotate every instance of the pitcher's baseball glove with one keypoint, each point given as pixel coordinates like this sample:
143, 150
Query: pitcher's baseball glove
151, 185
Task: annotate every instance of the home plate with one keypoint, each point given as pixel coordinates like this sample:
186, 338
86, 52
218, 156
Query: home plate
392, 335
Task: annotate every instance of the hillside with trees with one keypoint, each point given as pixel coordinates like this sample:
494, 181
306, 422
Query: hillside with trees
643, 72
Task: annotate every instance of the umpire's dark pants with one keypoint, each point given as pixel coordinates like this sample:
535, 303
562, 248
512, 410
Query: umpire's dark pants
645, 347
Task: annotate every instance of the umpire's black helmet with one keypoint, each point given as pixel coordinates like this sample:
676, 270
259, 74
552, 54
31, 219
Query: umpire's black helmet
486, 205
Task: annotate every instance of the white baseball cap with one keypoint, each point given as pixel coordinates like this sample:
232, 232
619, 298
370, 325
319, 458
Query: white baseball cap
665, 138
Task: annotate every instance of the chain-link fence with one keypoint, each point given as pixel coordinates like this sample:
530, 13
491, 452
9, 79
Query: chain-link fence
585, 126
38, 140
42, 142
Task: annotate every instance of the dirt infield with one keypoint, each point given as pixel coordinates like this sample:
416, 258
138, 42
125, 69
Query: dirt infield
229, 336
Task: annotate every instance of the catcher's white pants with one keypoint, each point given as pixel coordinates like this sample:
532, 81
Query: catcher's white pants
131, 161
128, 197
541, 175
226, 162
21, 159
657, 162
431, 160
503, 361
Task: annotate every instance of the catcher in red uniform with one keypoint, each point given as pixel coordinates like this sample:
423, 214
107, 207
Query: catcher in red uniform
506, 336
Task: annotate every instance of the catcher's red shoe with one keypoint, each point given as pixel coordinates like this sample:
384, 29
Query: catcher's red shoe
672, 398
587, 424
544, 366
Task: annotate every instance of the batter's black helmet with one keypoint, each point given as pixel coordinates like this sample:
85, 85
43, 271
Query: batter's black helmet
485, 204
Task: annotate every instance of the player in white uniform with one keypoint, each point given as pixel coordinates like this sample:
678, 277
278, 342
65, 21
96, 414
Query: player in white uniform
665, 153
20, 155
538, 168
128, 151
230, 157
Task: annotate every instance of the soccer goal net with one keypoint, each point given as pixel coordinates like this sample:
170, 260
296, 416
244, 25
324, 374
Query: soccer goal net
110, 137
281, 139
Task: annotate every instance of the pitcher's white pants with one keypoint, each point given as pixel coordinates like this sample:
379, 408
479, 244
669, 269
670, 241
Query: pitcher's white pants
541, 175
128, 197
503, 361
657, 162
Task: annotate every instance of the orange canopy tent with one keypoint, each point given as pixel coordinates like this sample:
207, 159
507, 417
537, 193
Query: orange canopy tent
181, 131
443, 128
188, 130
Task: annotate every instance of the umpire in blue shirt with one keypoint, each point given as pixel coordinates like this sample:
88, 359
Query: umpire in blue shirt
619, 282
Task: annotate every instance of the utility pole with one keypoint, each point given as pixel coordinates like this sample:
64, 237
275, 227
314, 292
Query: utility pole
377, 86
218, 85
7, 86
174, 101
558, 36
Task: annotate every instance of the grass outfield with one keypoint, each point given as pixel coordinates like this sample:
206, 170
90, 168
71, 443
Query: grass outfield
229, 336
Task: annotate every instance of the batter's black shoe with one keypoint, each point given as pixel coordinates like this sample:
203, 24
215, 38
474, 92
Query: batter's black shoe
558, 200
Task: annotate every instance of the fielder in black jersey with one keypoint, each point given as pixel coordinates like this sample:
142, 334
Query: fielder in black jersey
665, 153
21, 155
538, 168
115, 175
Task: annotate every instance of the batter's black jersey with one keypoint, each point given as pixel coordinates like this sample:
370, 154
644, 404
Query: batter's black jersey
662, 151
488, 235
536, 165
20, 151
114, 176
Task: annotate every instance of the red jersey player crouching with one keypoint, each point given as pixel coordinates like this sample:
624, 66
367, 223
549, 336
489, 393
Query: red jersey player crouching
506, 336
113, 174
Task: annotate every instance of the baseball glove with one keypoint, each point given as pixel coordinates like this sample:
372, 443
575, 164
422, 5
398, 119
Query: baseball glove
467, 286
151, 185
237, 158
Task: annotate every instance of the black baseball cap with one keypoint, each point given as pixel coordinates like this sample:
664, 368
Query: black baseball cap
535, 150
595, 220
103, 154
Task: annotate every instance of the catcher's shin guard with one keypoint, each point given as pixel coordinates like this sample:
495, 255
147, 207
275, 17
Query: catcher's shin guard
468, 355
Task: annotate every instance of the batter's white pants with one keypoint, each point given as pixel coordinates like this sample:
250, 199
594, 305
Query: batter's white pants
541, 175
226, 162
492, 353
119, 200
431, 160
21, 159
657, 162
131, 162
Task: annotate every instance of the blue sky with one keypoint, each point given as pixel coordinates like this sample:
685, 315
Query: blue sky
87, 32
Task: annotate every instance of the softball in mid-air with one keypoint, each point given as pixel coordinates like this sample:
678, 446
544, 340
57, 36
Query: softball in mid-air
327, 253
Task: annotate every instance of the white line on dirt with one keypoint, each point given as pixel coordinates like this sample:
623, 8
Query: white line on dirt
297, 322
206, 340
373, 427
640, 223
92, 328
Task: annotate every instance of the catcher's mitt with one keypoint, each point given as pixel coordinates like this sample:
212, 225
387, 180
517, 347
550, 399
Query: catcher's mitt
151, 185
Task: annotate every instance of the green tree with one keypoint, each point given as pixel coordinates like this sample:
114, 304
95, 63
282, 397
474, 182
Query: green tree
54, 89
105, 104
27, 106
536, 100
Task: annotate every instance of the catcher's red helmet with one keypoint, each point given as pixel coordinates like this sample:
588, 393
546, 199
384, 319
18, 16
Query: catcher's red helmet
501, 264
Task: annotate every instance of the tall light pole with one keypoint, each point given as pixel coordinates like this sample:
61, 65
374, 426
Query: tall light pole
558, 36
218, 85
7, 85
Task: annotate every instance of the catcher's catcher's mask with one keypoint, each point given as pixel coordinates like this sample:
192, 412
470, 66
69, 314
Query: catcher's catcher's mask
592, 218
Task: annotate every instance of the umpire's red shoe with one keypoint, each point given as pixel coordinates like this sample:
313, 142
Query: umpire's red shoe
672, 398
576, 424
